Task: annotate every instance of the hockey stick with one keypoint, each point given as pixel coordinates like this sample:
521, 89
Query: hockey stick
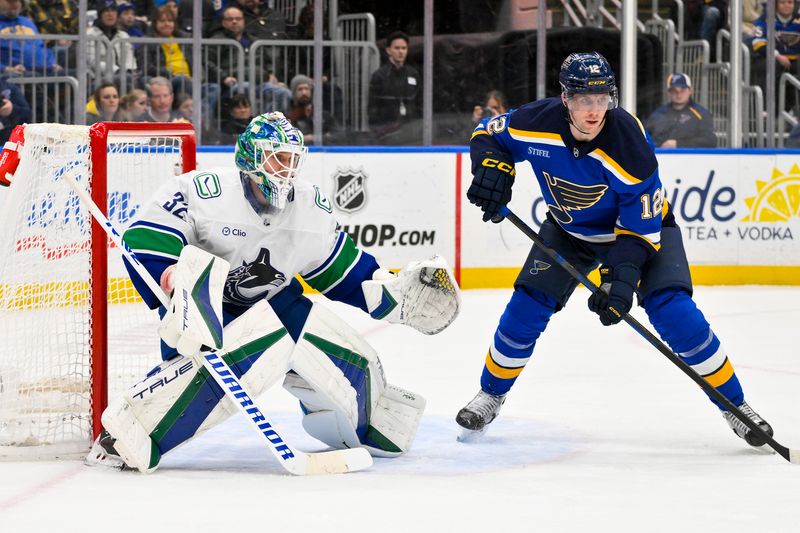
792, 456
295, 461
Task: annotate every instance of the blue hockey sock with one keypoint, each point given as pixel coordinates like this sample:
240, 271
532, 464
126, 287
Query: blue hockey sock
684, 328
523, 320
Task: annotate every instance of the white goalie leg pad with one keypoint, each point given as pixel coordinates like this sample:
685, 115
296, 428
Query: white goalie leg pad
161, 399
423, 295
194, 316
394, 422
331, 402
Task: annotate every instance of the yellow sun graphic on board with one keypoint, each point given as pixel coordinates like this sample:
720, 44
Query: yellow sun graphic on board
778, 199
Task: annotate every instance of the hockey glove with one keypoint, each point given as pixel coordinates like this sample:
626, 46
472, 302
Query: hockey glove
424, 295
491, 185
615, 297
194, 316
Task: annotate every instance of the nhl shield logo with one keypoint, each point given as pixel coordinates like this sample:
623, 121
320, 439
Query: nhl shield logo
350, 194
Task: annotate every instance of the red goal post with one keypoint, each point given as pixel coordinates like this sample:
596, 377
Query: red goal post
76, 330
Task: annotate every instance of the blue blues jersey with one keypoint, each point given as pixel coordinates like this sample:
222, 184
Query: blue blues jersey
597, 190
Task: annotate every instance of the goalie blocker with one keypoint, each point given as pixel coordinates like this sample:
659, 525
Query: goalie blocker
336, 375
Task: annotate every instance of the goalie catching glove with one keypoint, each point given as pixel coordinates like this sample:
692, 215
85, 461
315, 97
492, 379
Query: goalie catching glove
194, 316
423, 295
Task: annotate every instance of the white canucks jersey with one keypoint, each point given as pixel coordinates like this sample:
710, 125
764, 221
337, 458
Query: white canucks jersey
212, 209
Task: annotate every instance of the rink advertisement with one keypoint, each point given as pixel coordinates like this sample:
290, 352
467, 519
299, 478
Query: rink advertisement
739, 211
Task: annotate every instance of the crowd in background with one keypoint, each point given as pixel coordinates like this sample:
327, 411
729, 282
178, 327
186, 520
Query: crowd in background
159, 78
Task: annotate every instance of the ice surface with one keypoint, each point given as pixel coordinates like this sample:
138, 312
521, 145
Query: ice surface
600, 433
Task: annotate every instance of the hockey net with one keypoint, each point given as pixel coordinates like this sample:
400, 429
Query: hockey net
73, 330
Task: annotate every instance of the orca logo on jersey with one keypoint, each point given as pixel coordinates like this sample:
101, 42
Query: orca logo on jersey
570, 196
252, 281
350, 192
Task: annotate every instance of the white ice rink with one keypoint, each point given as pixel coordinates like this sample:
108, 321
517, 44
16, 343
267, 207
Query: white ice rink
600, 433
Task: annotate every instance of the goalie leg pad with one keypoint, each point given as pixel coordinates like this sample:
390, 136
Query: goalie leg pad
340, 383
179, 399
394, 422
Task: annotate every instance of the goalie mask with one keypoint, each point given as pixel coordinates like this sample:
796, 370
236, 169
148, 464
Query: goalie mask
270, 152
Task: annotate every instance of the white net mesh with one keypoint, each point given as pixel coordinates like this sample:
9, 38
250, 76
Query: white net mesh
45, 295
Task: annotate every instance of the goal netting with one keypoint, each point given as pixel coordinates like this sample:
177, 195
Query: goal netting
73, 330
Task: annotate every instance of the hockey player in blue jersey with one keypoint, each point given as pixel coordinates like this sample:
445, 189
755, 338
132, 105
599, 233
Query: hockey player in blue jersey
606, 205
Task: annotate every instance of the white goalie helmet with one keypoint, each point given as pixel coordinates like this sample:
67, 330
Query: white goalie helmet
271, 153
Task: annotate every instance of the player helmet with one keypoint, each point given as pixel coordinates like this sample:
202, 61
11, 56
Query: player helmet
270, 152
588, 73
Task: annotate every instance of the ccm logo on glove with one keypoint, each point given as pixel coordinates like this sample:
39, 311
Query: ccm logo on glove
499, 165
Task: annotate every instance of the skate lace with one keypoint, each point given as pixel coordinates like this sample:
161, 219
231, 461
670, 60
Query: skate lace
740, 426
485, 404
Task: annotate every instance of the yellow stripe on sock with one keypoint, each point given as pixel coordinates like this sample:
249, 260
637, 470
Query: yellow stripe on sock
721, 376
500, 372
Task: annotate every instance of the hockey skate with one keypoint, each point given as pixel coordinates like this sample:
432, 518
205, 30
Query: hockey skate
741, 430
103, 453
478, 414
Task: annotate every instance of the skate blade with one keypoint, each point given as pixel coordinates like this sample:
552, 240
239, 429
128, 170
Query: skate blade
471, 435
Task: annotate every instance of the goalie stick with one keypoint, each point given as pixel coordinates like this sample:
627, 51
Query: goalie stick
793, 456
295, 461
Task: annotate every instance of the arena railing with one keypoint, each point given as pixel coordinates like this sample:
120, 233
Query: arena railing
787, 83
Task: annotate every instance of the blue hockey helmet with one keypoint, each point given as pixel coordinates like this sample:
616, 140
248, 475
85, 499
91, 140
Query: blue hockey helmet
271, 152
588, 73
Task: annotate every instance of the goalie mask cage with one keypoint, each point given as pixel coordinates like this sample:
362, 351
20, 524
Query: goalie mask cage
73, 330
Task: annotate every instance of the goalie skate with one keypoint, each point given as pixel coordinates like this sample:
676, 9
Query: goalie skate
103, 453
477, 414
741, 430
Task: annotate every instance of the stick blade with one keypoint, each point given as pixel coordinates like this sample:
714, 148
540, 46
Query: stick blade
794, 457
335, 462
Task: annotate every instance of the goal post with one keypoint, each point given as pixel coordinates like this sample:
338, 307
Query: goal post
72, 327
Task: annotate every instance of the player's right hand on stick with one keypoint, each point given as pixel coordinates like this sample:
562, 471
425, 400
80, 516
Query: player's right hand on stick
614, 298
491, 185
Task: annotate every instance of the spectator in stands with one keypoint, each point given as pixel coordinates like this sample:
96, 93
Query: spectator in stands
184, 107
394, 89
239, 115
172, 59
494, 104
105, 25
787, 45
160, 98
305, 22
794, 137
127, 21
29, 57
681, 123
260, 21
751, 10
56, 17
14, 109
301, 111
715, 15
104, 104
133, 106
273, 92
